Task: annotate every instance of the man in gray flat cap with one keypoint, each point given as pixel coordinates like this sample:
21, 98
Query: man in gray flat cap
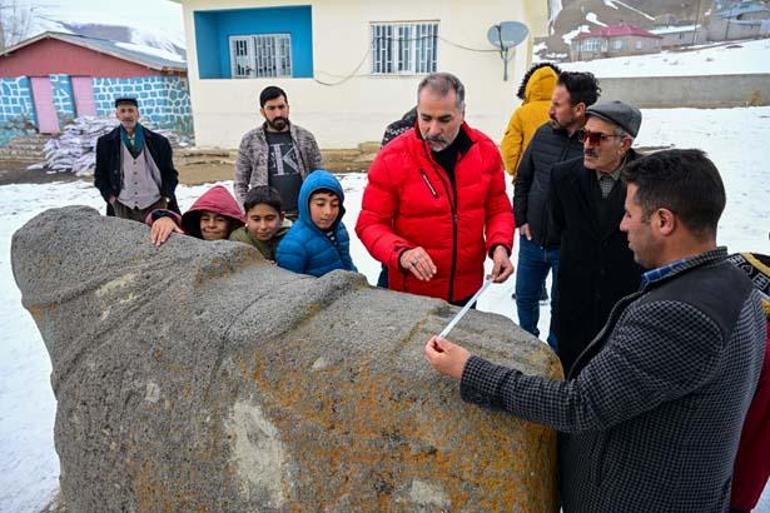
596, 266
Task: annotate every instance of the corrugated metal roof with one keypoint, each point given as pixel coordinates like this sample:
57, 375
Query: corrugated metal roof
106, 47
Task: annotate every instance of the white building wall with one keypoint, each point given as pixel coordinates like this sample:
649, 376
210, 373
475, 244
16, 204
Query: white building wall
358, 110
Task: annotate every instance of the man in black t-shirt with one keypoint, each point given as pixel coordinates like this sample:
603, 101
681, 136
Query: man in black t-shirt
277, 153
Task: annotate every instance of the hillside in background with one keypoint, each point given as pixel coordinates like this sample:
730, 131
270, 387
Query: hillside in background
156, 35
583, 15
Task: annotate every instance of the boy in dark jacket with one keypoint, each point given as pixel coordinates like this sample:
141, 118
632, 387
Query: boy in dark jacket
318, 242
266, 223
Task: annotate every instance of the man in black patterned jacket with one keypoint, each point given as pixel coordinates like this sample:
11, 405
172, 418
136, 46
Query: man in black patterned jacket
651, 413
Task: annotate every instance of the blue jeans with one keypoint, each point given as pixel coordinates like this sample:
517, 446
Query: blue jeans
531, 271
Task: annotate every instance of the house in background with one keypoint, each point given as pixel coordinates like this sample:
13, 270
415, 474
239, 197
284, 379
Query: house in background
680, 35
54, 77
613, 41
349, 68
741, 20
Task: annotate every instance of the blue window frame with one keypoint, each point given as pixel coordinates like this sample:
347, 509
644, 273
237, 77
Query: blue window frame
255, 43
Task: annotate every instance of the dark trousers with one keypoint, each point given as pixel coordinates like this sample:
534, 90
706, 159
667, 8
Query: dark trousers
534, 264
137, 214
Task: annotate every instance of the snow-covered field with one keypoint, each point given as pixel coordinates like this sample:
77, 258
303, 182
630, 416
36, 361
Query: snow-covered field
736, 139
735, 58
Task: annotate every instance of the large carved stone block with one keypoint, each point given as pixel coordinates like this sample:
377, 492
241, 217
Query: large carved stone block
197, 377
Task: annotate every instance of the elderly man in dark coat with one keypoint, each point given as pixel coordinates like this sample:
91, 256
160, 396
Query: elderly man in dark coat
596, 267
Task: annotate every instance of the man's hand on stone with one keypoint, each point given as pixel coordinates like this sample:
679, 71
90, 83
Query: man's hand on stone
446, 357
503, 267
162, 229
418, 262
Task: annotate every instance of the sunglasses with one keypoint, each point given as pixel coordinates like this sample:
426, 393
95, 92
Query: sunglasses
595, 138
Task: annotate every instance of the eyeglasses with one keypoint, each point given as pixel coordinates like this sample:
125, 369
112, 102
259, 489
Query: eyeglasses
595, 138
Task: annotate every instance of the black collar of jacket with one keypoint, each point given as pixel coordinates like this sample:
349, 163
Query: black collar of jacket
561, 130
709, 257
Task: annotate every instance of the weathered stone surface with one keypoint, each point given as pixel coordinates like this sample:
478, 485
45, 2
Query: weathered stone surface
198, 378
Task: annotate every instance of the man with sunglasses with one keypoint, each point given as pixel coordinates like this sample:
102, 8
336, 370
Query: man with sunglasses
555, 141
596, 267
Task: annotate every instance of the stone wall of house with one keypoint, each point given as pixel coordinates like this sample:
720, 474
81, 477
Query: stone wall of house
17, 112
164, 100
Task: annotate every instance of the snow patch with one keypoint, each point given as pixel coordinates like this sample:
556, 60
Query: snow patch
748, 57
155, 52
591, 16
569, 36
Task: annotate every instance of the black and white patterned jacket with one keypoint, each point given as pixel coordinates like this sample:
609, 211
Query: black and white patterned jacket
651, 415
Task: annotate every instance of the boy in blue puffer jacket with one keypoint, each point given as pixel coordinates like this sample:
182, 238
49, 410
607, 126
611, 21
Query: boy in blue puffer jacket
318, 242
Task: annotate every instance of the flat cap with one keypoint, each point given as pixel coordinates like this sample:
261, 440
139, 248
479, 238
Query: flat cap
627, 117
127, 99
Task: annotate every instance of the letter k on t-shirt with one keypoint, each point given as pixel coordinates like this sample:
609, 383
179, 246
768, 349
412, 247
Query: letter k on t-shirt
283, 168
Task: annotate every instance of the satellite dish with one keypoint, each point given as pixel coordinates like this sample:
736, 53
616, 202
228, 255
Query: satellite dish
507, 34
504, 36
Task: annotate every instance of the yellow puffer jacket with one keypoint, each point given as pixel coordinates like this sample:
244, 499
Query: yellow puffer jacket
532, 113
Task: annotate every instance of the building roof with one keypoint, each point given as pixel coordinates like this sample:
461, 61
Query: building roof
151, 58
674, 29
742, 8
620, 30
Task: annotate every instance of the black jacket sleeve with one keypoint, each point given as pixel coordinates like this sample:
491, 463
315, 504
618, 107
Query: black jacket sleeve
522, 185
102, 171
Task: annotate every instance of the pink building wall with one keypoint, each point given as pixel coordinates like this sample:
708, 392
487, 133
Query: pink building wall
51, 56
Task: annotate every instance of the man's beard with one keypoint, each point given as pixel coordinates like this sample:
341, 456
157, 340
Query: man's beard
556, 124
278, 123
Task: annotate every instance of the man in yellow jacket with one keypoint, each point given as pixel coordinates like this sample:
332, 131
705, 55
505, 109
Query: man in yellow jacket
535, 90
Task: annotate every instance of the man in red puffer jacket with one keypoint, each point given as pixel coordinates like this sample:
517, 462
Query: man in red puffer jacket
435, 205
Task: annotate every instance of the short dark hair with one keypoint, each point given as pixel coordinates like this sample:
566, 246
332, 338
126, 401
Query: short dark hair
581, 85
442, 83
683, 181
523, 86
325, 191
263, 194
271, 93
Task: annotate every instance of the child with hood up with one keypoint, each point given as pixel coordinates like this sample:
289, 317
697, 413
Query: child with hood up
318, 242
213, 216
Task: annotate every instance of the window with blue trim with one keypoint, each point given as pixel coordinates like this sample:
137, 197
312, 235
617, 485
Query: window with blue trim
255, 42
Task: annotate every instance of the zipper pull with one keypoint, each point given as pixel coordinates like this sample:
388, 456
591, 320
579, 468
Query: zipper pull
430, 185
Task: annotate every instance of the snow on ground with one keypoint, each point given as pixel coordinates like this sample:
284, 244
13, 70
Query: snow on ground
738, 58
736, 139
